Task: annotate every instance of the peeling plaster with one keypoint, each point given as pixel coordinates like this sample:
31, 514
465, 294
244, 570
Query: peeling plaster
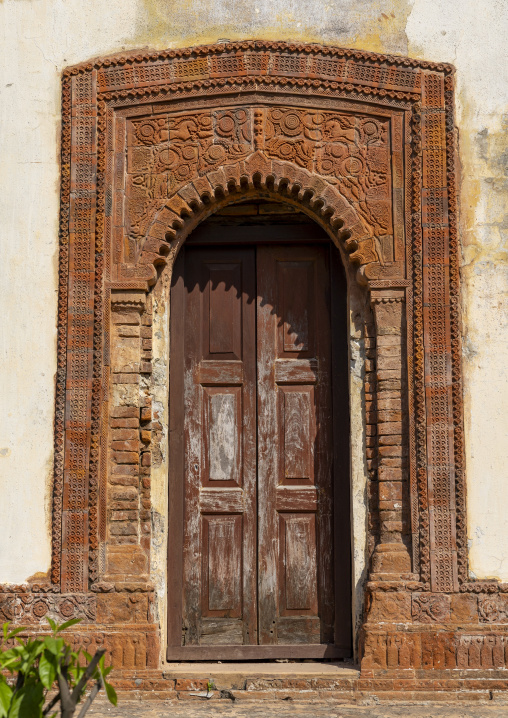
377, 26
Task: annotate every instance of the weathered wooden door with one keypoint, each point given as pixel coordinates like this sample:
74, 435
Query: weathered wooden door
253, 570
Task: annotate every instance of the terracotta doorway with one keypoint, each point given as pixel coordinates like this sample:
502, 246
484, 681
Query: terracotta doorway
259, 510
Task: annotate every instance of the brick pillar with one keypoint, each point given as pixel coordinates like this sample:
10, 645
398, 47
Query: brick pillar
391, 559
127, 556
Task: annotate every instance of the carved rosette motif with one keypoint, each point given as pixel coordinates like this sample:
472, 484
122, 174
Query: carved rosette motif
430, 608
35, 608
153, 143
348, 153
493, 608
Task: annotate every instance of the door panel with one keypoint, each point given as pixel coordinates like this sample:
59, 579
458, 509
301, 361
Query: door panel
251, 488
222, 423
219, 548
297, 420
297, 564
222, 310
222, 566
295, 550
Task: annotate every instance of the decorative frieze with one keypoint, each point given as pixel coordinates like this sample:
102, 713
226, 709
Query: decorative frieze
36, 607
435, 650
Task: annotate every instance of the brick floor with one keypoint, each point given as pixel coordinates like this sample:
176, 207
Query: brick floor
203, 708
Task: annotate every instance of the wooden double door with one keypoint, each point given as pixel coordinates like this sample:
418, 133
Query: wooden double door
259, 551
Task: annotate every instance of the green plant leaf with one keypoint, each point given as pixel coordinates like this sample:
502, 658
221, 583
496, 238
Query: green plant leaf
15, 632
67, 624
5, 698
52, 624
5, 628
38, 648
75, 672
52, 645
27, 702
111, 693
12, 654
29, 655
47, 669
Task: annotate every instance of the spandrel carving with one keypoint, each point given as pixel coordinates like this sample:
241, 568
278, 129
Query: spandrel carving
349, 152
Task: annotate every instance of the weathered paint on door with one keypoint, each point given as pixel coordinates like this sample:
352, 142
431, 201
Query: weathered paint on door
294, 446
252, 422
219, 589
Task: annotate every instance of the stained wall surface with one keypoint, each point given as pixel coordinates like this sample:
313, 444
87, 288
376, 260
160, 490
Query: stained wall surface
40, 37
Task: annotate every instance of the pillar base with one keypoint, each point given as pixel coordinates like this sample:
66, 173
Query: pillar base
392, 559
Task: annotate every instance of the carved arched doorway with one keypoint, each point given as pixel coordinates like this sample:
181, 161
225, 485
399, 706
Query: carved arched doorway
152, 144
259, 508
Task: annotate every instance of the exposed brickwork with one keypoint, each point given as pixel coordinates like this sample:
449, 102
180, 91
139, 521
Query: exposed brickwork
391, 558
222, 691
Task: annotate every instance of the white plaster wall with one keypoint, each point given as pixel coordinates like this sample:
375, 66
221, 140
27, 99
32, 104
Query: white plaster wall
40, 37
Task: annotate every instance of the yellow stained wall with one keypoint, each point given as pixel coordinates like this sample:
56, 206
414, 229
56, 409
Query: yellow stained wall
40, 37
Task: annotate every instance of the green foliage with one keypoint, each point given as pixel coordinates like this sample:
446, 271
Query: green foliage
31, 668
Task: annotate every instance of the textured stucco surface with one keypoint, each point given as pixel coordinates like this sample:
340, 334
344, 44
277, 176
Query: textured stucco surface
40, 37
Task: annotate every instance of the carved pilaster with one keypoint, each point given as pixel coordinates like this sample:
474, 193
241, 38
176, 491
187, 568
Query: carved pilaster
127, 556
391, 558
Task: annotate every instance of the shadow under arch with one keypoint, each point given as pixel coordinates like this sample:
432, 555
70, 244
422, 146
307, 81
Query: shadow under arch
312, 233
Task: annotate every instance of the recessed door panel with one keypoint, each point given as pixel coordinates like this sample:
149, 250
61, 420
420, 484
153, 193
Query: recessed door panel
298, 424
298, 564
222, 566
223, 310
295, 283
222, 432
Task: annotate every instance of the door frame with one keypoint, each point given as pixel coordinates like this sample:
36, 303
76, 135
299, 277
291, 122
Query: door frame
209, 236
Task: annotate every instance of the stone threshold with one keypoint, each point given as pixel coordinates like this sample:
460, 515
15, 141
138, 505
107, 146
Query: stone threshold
254, 669
338, 682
